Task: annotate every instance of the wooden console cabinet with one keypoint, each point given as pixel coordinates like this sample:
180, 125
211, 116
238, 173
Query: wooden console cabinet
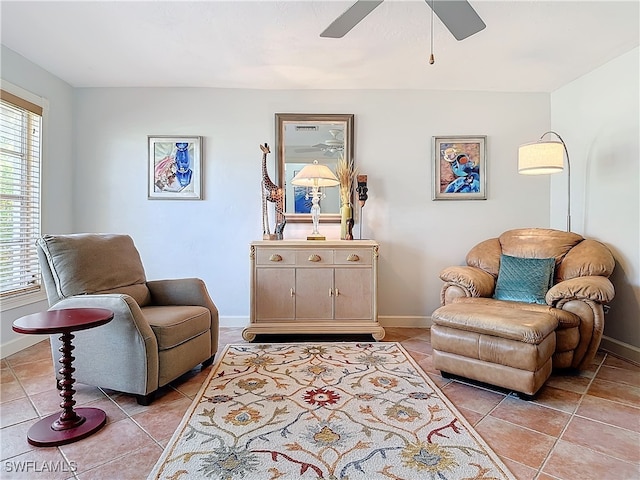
326, 286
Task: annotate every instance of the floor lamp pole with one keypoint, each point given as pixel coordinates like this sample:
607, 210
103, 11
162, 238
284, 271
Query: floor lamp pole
568, 177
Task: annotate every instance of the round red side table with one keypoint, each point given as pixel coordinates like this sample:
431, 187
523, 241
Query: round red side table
71, 424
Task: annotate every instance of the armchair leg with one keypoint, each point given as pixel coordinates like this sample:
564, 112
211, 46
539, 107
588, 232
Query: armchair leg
524, 396
208, 361
146, 400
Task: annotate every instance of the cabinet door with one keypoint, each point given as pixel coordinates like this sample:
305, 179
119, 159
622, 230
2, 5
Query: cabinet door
274, 294
353, 289
314, 293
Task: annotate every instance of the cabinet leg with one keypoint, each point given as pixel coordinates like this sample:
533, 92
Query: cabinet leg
248, 335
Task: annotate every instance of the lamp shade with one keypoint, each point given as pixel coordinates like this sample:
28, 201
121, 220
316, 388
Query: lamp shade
540, 158
315, 175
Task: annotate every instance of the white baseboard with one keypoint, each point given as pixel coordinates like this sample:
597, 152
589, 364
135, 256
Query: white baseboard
621, 349
20, 343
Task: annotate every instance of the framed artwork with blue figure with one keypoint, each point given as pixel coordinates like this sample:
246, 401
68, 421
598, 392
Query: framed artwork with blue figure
459, 168
175, 167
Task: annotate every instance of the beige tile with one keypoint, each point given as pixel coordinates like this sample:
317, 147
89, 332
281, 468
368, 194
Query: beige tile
40, 352
130, 405
162, 422
113, 441
572, 383
472, 398
41, 463
470, 416
24, 371
520, 471
621, 393
620, 375
189, 385
613, 361
527, 414
612, 441
10, 388
557, 398
33, 384
569, 461
47, 402
613, 413
137, 464
16, 411
14, 440
519, 444
417, 345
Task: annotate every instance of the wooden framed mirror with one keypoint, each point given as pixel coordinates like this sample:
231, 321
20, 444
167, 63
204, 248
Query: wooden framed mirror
300, 139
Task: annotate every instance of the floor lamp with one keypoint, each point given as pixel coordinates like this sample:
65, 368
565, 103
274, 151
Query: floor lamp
545, 157
315, 176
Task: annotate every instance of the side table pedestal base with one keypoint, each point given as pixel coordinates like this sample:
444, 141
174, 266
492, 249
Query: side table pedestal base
42, 435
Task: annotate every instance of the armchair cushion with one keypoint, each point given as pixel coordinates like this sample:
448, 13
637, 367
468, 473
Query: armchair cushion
524, 279
176, 324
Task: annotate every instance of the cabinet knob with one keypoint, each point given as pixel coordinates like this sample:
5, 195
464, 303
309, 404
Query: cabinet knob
291, 291
337, 292
275, 258
353, 258
314, 258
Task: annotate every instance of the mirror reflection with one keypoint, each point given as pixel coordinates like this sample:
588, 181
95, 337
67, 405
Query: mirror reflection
301, 139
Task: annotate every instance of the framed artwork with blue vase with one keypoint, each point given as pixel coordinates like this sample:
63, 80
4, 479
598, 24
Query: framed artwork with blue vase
175, 167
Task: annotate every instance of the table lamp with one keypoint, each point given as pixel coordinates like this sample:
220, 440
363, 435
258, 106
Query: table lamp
545, 157
315, 176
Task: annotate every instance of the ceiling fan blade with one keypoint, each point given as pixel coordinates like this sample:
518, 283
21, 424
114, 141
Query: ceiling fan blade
307, 150
458, 16
350, 18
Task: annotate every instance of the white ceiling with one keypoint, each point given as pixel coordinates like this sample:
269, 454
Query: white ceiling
527, 46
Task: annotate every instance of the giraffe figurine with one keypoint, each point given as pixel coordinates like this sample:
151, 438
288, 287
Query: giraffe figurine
272, 193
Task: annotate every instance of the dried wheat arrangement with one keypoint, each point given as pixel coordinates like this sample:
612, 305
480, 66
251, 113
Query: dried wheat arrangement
346, 174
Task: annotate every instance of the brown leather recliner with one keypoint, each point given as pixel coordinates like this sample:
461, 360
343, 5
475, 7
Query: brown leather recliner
574, 303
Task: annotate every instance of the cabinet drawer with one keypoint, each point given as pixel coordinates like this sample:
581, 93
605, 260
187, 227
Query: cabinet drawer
275, 256
314, 256
353, 257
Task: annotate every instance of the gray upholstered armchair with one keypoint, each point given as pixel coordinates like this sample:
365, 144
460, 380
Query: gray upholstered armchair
161, 328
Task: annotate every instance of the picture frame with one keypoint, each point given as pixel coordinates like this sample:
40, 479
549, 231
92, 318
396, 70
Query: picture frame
175, 167
459, 167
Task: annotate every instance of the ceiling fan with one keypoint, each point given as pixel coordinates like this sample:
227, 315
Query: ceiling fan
457, 15
329, 147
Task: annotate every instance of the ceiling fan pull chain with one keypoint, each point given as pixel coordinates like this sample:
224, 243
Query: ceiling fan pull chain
432, 60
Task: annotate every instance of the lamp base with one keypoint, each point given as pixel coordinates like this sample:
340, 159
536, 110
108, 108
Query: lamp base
316, 237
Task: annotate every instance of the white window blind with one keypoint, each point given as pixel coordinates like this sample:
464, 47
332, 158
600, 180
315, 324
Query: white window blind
20, 140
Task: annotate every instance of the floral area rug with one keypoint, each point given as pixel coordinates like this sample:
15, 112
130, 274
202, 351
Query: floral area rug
341, 411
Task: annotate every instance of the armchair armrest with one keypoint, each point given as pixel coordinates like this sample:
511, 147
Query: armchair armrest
472, 279
596, 288
123, 354
186, 291
182, 291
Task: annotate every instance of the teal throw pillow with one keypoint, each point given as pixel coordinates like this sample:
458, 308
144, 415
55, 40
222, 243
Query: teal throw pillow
524, 279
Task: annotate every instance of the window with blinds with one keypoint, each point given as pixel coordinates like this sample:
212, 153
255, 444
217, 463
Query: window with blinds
20, 140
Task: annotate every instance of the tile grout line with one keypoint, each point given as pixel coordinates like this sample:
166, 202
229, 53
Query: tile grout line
572, 416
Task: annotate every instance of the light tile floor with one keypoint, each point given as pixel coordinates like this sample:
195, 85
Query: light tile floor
578, 427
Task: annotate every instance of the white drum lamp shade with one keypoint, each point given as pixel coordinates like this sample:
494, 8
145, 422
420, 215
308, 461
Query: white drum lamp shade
546, 157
